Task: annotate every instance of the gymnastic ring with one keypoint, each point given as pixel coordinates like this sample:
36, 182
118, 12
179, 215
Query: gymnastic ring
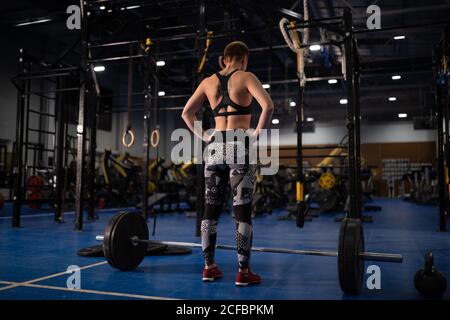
154, 138
127, 133
222, 66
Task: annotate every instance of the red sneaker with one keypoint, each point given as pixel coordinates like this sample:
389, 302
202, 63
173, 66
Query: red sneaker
212, 274
244, 279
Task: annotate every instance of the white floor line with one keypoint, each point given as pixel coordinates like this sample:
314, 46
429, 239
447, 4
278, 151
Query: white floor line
18, 284
100, 292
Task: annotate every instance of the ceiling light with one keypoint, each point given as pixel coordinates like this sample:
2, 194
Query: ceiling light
161, 93
399, 37
396, 77
32, 22
266, 86
99, 68
292, 103
315, 47
275, 121
309, 119
133, 7
343, 101
392, 98
402, 115
102, 7
160, 63
332, 81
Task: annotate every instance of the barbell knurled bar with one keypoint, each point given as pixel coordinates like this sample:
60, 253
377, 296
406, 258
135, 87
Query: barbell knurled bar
126, 240
368, 256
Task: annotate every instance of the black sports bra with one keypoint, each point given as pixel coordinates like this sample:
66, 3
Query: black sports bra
226, 100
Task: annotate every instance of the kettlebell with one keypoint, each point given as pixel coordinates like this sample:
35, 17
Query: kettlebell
429, 281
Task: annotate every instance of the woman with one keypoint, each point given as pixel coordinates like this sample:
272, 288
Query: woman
229, 93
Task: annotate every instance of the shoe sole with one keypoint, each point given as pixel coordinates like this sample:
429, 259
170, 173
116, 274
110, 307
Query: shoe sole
244, 284
211, 279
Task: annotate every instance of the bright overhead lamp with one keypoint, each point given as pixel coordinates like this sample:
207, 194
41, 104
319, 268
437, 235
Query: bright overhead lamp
32, 22
315, 47
133, 7
99, 68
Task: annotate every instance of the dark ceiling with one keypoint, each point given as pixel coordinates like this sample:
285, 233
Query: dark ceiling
381, 56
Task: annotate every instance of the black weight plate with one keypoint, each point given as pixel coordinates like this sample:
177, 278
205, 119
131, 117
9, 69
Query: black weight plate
350, 265
106, 239
126, 255
340, 248
327, 200
122, 253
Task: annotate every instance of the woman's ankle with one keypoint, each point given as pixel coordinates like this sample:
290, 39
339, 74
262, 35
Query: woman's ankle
210, 266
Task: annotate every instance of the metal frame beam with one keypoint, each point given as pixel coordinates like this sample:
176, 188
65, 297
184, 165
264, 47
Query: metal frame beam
81, 127
18, 165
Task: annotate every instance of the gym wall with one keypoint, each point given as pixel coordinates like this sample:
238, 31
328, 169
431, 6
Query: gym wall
391, 140
332, 133
374, 153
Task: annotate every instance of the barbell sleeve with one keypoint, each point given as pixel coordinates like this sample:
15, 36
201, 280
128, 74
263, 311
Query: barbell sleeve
369, 256
385, 257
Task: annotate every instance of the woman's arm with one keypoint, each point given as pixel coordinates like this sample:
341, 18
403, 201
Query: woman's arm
262, 97
191, 108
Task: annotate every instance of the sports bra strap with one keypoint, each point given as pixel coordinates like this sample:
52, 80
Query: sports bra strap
226, 100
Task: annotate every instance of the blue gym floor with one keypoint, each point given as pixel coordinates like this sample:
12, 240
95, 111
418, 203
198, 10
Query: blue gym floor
33, 259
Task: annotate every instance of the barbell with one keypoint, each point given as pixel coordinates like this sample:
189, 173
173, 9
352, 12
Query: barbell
126, 239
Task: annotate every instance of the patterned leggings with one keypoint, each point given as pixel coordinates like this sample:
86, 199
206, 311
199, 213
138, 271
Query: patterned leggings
242, 180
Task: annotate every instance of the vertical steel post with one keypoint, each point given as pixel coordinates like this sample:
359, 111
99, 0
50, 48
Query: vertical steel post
357, 117
445, 102
95, 101
26, 130
352, 123
300, 181
441, 148
59, 169
146, 142
18, 165
200, 203
81, 127
229, 15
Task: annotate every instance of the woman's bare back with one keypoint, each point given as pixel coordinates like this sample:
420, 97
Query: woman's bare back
238, 93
